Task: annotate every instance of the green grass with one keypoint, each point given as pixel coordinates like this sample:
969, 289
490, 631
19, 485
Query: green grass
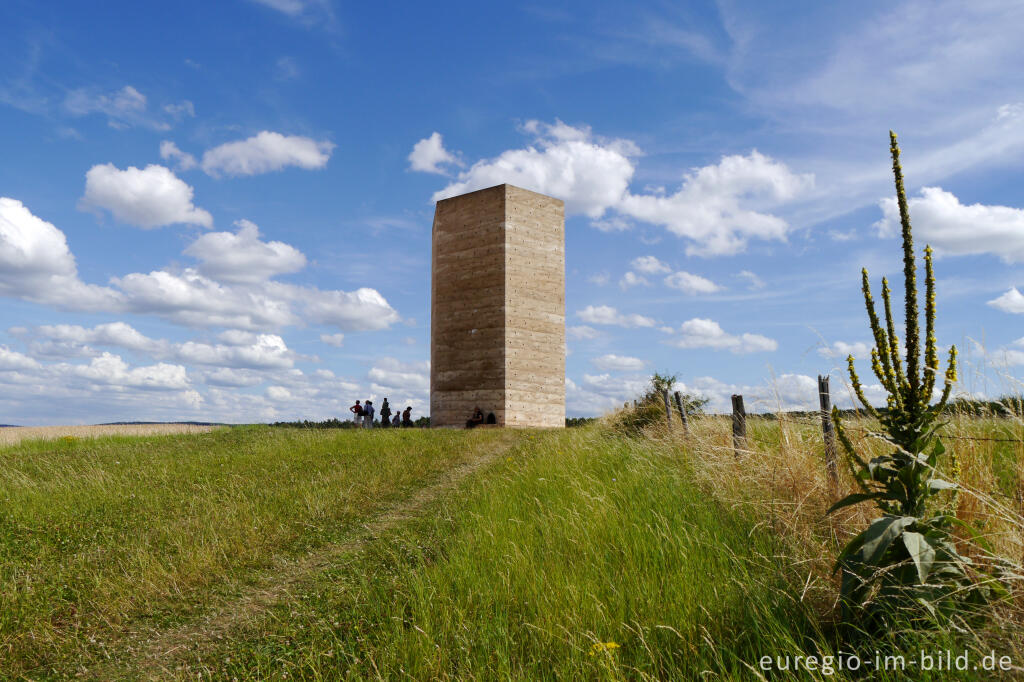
576, 554
99, 537
529, 573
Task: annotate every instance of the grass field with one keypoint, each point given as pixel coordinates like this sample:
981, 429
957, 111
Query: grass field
258, 553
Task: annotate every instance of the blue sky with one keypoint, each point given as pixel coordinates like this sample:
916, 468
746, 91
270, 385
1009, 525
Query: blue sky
221, 211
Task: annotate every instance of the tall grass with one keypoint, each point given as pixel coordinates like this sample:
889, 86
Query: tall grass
102, 537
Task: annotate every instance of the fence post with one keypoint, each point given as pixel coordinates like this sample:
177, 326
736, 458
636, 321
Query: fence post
739, 425
828, 432
668, 409
682, 413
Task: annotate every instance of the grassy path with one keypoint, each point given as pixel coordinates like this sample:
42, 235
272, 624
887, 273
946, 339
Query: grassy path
115, 550
163, 650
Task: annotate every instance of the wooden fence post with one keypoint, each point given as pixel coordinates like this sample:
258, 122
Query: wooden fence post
828, 433
739, 425
668, 409
682, 413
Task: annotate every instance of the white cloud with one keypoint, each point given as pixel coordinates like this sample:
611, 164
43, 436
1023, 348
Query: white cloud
265, 152
842, 350
604, 314
13, 360
235, 378
719, 208
753, 281
336, 340
704, 333
278, 393
170, 152
147, 198
631, 279
711, 208
403, 383
952, 228
601, 393
268, 352
691, 284
429, 154
193, 300
111, 370
582, 332
361, 310
36, 264
118, 334
600, 279
1010, 302
181, 109
242, 257
650, 265
123, 108
618, 363
568, 163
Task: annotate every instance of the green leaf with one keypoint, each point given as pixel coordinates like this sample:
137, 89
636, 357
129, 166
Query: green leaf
880, 535
854, 498
921, 552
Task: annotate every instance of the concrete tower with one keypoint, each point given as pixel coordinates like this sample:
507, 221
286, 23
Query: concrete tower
497, 308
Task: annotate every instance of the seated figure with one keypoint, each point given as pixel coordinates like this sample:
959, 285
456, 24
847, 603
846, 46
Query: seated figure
476, 419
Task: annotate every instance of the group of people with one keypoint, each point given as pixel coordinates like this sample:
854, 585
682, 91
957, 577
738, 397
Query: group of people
364, 414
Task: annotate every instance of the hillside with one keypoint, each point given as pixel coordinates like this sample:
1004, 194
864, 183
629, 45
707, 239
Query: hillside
258, 553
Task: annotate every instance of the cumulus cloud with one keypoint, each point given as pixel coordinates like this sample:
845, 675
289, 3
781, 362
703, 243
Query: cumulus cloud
393, 374
604, 314
842, 350
631, 279
336, 340
691, 284
36, 264
117, 334
712, 207
719, 208
953, 228
589, 174
704, 333
113, 371
242, 257
618, 363
267, 352
266, 152
429, 154
649, 265
13, 360
597, 394
1010, 302
147, 198
582, 332
361, 310
170, 152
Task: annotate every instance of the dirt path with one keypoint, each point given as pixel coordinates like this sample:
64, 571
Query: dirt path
158, 655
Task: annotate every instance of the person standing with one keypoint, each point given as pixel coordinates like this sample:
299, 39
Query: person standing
357, 413
407, 417
385, 414
368, 414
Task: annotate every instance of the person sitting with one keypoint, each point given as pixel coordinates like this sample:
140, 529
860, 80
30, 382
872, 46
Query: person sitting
396, 421
407, 417
476, 419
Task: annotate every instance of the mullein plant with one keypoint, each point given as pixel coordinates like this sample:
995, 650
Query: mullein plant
905, 564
